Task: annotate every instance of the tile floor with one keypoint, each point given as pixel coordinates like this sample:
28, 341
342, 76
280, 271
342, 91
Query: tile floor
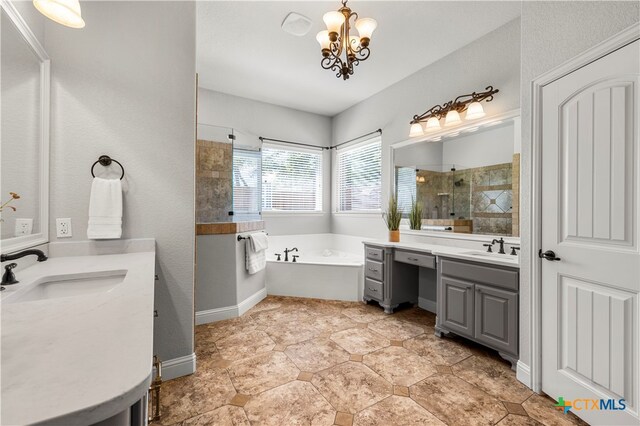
292, 361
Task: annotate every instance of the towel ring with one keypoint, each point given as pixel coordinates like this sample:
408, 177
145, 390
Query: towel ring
105, 161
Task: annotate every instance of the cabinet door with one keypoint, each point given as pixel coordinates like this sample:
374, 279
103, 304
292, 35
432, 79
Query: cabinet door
457, 309
496, 318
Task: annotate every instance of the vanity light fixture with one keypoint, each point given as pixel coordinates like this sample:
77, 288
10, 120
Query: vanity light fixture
341, 50
64, 12
451, 110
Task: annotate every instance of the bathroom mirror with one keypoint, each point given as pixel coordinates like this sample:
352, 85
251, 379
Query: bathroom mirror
24, 90
466, 179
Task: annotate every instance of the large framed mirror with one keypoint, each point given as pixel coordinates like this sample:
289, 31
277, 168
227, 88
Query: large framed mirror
467, 179
24, 151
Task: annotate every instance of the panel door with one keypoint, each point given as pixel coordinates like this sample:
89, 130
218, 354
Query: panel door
496, 318
590, 191
457, 309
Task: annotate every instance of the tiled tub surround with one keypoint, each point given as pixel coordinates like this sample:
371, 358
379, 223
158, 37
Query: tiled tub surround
214, 181
292, 361
81, 359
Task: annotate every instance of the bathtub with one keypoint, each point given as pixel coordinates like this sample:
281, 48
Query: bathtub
330, 266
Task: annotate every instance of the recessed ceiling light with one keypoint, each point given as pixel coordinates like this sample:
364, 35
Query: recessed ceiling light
296, 24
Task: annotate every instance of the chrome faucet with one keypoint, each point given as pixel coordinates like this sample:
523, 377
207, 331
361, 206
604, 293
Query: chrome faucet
286, 253
9, 277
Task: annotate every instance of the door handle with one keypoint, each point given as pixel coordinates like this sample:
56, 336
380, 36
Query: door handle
549, 255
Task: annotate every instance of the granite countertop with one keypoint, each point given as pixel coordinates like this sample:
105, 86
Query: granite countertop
453, 252
78, 360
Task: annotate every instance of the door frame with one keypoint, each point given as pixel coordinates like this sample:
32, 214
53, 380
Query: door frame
625, 37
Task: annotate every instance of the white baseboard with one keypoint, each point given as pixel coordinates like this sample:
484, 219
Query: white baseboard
523, 373
219, 314
178, 367
427, 305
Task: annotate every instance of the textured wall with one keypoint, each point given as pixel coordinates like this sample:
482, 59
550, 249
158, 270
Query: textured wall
553, 33
496, 61
214, 181
253, 119
125, 86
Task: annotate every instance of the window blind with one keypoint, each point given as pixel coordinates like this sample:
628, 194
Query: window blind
291, 179
406, 187
246, 181
359, 177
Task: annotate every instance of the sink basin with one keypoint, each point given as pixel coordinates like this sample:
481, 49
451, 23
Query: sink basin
504, 257
69, 285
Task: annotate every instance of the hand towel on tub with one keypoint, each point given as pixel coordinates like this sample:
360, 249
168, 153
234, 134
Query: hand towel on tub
105, 209
255, 252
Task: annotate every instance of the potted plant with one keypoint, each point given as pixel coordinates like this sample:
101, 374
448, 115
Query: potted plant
392, 218
415, 215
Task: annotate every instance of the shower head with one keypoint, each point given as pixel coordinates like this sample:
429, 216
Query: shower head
458, 182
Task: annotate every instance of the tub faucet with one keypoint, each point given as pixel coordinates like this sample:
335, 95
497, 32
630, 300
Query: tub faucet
286, 253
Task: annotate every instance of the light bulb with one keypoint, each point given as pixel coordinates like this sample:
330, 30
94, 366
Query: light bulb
365, 27
323, 39
64, 12
432, 124
416, 130
452, 118
333, 21
474, 110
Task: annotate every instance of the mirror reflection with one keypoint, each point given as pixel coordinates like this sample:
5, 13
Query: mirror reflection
465, 182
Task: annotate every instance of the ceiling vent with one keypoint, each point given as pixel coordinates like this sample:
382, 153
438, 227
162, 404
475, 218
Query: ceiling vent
296, 24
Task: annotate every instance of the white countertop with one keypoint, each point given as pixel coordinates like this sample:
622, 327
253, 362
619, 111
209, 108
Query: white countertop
80, 359
452, 252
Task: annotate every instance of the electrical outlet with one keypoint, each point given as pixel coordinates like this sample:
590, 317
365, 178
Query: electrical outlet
23, 227
63, 227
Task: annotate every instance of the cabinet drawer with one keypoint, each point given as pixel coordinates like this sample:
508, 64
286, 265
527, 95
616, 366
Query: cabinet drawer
491, 275
374, 270
373, 289
424, 260
374, 253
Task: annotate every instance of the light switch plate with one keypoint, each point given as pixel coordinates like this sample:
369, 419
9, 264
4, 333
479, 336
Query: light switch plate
23, 227
63, 227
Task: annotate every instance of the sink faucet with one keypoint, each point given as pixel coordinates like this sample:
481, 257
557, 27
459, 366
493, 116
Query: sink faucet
501, 242
9, 277
286, 253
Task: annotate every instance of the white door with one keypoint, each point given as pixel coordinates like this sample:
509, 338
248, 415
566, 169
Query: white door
590, 211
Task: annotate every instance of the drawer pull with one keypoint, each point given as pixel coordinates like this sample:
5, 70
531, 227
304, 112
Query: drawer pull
373, 289
413, 259
373, 269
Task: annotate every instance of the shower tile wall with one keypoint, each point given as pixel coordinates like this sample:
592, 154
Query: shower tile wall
491, 199
214, 185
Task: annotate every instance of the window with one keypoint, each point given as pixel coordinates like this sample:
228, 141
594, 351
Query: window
291, 179
406, 188
359, 177
246, 182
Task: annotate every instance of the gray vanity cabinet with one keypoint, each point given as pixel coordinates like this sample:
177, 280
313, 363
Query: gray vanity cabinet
480, 302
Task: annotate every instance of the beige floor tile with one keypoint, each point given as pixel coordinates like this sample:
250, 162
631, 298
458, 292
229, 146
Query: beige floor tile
220, 329
344, 419
364, 313
243, 345
227, 415
291, 332
455, 401
196, 394
438, 351
542, 408
401, 390
317, 354
494, 377
515, 420
393, 328
240, 400
265, 305
396, 411
399, 366
295, 403
351, 387
417, 316
261, 372
331, 324
305, 376
355, 358
359, 341
514, 408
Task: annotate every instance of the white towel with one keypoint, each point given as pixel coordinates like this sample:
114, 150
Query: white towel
255, 252
105, 209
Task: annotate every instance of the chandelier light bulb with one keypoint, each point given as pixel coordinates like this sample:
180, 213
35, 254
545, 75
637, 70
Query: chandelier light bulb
323, 39
452, 118
64, 12
432, 124
333, 20
474, 110
416, 130
365, 27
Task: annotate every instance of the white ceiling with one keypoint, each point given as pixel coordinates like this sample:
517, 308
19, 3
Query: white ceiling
241, 49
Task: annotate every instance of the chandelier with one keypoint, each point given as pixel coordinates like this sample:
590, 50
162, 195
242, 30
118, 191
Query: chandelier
450, 111
341, 50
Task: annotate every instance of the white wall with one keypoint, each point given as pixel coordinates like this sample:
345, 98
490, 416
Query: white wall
491, 60
553, 33
253, 119
125, 86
